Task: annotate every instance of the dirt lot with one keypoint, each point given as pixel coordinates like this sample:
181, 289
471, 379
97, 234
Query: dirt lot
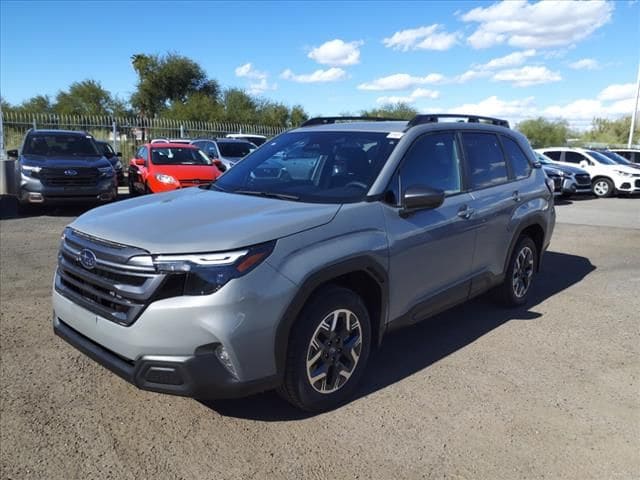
547, 391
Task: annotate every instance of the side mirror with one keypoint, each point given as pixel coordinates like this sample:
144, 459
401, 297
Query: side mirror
418, 197
218, 163
12, 153
139, 162
118, 154
584, 164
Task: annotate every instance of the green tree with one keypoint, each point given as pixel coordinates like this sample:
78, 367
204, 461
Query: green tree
37, 104
544, 133
168, 79
87, 97
239, 106
297, 116
400, 110
610, 131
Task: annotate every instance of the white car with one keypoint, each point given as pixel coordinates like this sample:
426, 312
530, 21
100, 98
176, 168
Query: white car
607, 176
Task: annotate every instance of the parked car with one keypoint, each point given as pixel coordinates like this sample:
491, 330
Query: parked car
228, 150
59, 167
607, 177
261, 282
572, 179
619, 159
171, 140
631, 154
257, 140
161, 167
114, 158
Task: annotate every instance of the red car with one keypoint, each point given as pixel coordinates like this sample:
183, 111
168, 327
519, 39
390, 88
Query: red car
160, 167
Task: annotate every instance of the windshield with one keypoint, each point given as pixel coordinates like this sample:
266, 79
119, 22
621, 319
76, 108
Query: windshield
106, 149
56, 145
235, 149
178, 156
322, 167
543, 159
600, 158
619, 159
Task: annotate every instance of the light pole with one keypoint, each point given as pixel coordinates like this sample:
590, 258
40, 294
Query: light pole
635, 111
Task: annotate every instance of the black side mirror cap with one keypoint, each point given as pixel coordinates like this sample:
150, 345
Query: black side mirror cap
118, 154
12, 153
418, 197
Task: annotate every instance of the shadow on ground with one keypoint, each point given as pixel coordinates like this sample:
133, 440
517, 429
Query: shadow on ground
9, 209
415, 348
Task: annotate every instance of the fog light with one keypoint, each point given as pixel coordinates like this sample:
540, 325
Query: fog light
225, 359
36, 198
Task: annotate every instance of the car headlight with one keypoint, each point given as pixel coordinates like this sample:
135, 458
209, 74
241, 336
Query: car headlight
30, 171
206, 273
623, 174
165, 178
106, 171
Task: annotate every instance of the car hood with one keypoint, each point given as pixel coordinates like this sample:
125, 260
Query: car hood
199, 220
624, 168
569, 169
64, 162
188, 172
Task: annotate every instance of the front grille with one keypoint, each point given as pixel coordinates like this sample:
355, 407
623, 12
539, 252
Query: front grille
193, 182
56, 177
557, 183
637, 183
583, 179
114, 288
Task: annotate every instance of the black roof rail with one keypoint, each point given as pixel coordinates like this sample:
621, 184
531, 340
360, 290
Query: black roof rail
330, 120
435, 118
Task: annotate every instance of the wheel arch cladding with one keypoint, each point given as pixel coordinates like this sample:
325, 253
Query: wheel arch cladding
362, 275
534, 230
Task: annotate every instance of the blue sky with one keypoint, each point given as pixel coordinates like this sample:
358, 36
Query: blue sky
515, 59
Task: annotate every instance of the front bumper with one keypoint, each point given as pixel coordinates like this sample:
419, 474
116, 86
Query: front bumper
33, 191
199, 376
628, 185
570, 187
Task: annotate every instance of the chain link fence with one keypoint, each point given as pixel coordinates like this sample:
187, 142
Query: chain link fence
124, 133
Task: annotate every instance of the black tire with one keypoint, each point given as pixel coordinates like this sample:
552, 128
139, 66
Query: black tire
24, 209
297, 387
510, 291
603, 187
132, 189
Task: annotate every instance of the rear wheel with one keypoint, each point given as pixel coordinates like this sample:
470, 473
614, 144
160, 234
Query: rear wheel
328, 350
518, 281
603, 187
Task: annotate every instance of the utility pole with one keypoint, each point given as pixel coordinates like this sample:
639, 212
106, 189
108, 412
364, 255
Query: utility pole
635, 111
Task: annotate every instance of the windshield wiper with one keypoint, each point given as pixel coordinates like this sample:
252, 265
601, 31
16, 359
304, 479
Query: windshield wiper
281, 196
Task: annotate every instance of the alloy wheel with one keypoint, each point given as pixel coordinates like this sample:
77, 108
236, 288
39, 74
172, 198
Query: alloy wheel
522, 272
601, 188
334, 351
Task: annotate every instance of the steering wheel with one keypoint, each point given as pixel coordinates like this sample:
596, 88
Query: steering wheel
357, 184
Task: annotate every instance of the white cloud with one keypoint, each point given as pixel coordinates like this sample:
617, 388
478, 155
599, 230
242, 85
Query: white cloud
585, 64
401, 81
415, 95
337, 53
495, 107
526, 76
618, 91
260, 83
512, 60
432, 37
536, 25
332, 74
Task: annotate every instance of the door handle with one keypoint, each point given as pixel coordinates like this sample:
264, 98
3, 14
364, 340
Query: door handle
516, 196
465, 212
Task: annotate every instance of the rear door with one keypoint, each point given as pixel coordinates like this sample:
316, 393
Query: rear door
495, 198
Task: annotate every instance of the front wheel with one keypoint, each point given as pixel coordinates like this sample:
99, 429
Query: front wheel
521, 271
328, 350
603, 187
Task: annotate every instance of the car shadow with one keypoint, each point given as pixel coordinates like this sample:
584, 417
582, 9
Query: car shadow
9, 208
410, 350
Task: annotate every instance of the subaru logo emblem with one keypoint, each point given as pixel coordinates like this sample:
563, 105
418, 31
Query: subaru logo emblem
70, 173
87, 259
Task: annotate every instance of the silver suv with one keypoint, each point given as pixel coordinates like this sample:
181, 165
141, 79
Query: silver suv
289, 269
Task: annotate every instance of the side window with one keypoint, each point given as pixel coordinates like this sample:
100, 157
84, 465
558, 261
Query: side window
432, 161
573, 157
485, 160
139, 152
553, 154
142, 153
519, 161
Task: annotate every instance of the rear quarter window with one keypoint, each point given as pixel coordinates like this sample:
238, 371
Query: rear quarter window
519, 162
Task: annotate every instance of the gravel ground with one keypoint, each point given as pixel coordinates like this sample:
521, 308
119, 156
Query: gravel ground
547, 391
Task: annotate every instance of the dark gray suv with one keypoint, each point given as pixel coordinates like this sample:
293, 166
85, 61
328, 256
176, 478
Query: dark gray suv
289, 269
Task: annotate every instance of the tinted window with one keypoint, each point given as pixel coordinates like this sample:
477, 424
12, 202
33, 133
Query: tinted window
178, 156
553, 154
54, 145
312, 166
142, 153
235, 149
601, 158
573, 157
432, 161
485, 160
519, 161
106, 149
